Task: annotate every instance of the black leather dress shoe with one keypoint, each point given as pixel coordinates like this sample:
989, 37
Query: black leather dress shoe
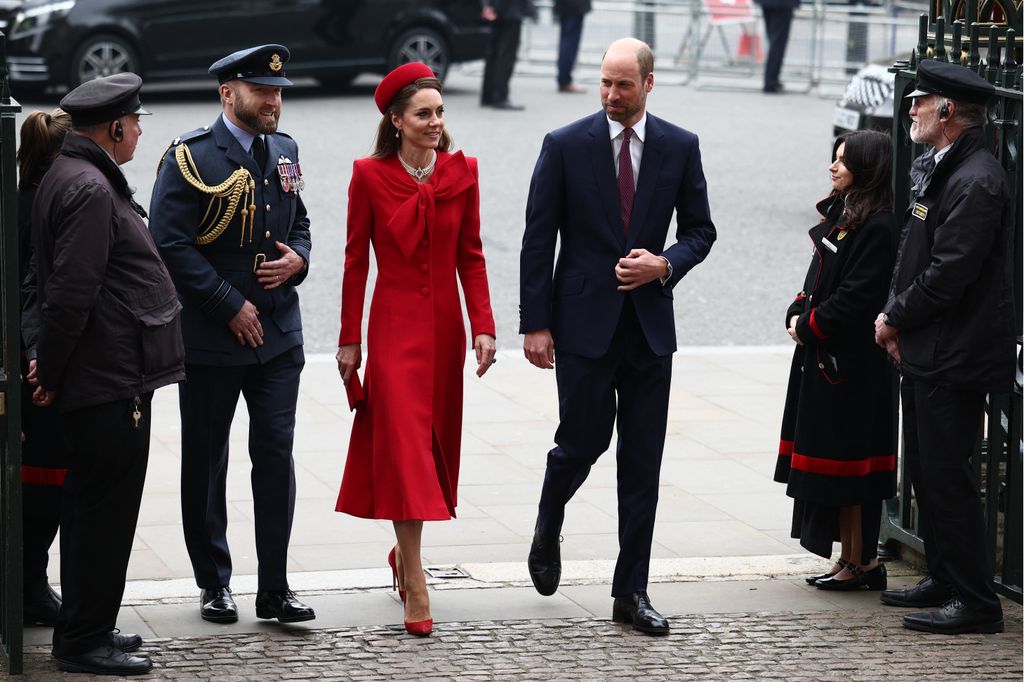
506, 105
104, 660
545, 564
282, 605
927, 592
217, 606
955, 618
41, 606
637, 609
125, 643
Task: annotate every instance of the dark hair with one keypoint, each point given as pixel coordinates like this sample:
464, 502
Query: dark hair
387, 142
868, 157
41, 137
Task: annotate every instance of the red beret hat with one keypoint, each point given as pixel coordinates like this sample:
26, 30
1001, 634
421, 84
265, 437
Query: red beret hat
398, 79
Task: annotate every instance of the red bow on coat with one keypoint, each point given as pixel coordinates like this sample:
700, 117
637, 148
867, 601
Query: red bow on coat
410, 222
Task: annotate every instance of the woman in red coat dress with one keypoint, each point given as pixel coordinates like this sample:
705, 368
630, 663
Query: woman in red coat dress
418, 204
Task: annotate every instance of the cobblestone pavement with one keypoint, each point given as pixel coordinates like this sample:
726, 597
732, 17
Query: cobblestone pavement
857, 645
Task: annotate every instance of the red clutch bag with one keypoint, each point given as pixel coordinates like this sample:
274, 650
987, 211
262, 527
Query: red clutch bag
354, 391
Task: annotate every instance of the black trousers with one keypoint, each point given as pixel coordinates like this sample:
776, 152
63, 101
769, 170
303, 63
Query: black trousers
208, 398
777, 21
627, 388
102, 493
500, 60
941, 429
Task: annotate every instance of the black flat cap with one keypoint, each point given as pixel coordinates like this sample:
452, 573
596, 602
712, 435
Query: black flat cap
104, 99
954, 81
263, 65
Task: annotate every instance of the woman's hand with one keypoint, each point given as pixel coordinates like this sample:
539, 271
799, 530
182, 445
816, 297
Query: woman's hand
483, 344
350, 358
792, 330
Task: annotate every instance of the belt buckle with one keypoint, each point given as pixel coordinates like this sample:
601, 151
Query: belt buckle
259, 260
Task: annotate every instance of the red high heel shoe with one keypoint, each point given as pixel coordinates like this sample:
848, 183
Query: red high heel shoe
420, 628
394, 575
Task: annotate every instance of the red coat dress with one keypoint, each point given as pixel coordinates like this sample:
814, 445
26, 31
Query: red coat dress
403, 457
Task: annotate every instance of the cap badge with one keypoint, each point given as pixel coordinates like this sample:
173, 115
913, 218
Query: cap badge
275, 63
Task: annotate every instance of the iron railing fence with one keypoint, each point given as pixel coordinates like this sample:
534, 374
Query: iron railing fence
10, 386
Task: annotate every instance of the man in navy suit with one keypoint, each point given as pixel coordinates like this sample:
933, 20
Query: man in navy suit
607, 185
231, 227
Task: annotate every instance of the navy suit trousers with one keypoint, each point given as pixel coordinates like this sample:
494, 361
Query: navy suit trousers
208, 398
629, 388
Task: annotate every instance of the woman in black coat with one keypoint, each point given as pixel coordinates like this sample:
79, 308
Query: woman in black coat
43, 453
837, 451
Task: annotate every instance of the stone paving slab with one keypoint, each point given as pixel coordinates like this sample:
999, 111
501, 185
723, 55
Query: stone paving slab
854, 645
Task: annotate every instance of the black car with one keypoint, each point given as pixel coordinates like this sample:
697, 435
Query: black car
66, 42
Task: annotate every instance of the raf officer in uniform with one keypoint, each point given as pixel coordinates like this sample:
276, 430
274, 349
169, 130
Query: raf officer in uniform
230, 224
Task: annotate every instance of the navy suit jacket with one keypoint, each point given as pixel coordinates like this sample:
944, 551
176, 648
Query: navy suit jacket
574, 196
215, 279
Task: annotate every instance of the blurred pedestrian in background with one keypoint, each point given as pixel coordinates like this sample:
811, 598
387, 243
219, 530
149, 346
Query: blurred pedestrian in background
570, 22
778, 17
418, 204
506, 19
836, 454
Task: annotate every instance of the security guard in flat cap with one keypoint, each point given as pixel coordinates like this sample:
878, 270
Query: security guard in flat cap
229, 221
109, 334
949, 323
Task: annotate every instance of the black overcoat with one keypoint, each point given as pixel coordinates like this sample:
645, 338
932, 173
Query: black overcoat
109, 320
952, 292
838, 424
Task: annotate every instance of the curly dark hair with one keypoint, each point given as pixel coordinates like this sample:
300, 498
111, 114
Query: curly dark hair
868, 157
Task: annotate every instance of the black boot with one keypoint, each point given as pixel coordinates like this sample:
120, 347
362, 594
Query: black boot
41, 605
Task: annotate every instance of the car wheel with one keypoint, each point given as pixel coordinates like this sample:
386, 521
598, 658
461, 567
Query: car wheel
421, 44
102, 55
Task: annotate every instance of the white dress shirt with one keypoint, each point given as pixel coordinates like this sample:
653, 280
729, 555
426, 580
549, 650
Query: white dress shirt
636, 144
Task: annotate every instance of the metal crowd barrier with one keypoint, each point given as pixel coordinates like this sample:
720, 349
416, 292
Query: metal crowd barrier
709, 42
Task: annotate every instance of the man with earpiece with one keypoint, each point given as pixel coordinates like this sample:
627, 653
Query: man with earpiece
109, 335
949, 323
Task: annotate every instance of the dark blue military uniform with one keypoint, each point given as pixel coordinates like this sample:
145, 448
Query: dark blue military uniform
214, 262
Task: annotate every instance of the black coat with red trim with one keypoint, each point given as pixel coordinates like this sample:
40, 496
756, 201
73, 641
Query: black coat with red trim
838, 426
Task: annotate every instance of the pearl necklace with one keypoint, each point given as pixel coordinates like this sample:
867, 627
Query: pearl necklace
418, 173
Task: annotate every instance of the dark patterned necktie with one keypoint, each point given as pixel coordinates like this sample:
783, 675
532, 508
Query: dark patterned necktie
259, 152
626, 187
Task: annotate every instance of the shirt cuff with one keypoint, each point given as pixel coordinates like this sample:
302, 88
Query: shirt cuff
664, 280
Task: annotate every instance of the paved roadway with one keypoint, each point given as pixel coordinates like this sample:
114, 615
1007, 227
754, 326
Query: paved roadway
764, 157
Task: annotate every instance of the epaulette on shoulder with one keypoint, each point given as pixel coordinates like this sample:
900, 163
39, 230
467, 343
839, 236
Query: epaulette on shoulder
186, 137
284, 135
